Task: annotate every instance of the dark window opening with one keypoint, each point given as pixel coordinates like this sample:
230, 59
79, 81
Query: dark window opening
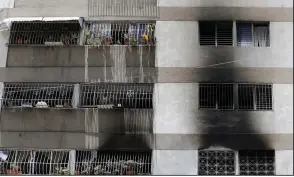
117, 95
216, 96
113, 163
257, 162
216, 162
216, 33
255, 96
38, 95
38, 32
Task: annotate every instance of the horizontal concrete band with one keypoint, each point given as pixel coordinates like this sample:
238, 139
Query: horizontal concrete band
282, 14
61, 140
146, 74
74, 56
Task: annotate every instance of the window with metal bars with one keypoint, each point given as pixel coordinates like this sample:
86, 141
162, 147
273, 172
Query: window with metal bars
255, 96
38, 95
45, 33
216, 96
257, 162
220, 162
134, 34
124, 95
253, 34
216, 33
113, 163
34, 162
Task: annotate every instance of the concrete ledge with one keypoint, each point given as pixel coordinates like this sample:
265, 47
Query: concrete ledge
78, 74
279, 14
61, 140
254, 75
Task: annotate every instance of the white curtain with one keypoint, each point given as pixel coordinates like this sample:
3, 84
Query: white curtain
261, 36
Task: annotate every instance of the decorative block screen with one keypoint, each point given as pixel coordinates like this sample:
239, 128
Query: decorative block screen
39, 95
113, 163
108, 95
258, 162
135, 34
216, 162
44, 32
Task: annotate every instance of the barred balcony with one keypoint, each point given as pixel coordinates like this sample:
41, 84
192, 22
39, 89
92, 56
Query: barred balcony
123, 8
73, 162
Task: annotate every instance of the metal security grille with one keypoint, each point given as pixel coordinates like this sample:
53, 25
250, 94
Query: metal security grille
216, 162
253, 34
108, 95
216, 96
38, 95
255, 96
45, 33
216, 33
113, 163
34, 162
123, 8
257, 162
134, 34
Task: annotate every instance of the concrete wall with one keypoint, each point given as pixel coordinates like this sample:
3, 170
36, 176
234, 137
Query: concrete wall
75, 129
44, 56
183, 49
179, 121
284, 162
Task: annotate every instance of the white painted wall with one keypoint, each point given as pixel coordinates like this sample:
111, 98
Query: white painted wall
176, 111
226, 3
174, 162
178, 46
284, 162
7, 4
4, 37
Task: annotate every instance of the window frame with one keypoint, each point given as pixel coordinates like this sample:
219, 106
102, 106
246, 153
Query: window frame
252, 23
215, 24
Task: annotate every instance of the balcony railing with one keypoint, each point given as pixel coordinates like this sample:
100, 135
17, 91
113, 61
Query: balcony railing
132, 34
45, 33
62, 162
123, 8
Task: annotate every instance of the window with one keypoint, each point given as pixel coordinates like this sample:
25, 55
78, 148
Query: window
49, 33
113, 163
216, 162
255, 96
257, 162
216, 33
216, 96
37, 95
253, 34
107, 95
120, 34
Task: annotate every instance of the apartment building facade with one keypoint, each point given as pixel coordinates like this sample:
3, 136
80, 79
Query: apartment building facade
189, 87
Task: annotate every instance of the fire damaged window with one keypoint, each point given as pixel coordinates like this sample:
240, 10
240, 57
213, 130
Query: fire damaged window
258, 162
216, 96
45, 32
216, 33
216, 162
255, 96
108, 95
253, 34
113, 163
135, 34
38, 95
